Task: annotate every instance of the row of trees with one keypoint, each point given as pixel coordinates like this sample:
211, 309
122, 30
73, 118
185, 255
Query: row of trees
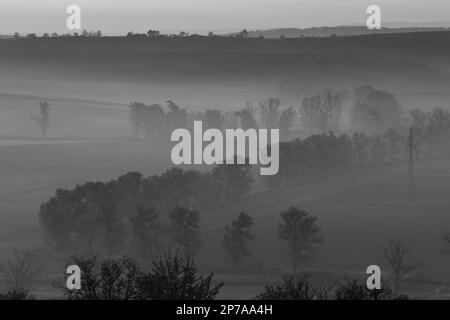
371, 110
155, 121
84, 34
151, 34
172, 276
303, 159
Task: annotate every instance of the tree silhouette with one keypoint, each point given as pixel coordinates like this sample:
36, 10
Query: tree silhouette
237, 234
184, 228
147, 230
44, 119
302, 234
395, 252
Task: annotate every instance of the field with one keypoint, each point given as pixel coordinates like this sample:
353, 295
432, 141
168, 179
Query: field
357, 214
90, 82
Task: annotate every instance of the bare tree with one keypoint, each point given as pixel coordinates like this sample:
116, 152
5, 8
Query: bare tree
323, 111
44, 119
270, 113
395, 253
20, 271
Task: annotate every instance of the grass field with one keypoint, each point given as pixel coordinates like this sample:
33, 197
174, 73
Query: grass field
357, 211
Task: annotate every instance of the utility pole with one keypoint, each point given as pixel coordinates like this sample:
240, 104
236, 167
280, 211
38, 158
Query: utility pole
411, 170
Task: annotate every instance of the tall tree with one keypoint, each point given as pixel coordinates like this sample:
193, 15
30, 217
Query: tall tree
300, 230
147, 231
395, 252
236, 237
184, 228
44, 119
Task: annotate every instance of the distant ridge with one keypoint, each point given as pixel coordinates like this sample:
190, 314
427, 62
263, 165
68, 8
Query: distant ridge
337, 30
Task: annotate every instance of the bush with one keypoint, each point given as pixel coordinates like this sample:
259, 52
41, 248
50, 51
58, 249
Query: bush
175, 278
353, 290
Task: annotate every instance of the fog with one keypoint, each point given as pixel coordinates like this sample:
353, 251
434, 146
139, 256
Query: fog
347, 167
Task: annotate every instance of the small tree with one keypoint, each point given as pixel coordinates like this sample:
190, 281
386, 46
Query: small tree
395, 253
19, 272
184, 228
236, 236
302, 234
44, 119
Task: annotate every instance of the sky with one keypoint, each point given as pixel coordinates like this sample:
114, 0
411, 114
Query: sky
201, 16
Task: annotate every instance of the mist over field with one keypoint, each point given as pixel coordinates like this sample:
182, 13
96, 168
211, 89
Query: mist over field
85, 152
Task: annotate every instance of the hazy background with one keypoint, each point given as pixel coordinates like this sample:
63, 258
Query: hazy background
201, 16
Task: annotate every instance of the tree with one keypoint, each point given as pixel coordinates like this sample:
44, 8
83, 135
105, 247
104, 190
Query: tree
302, 234
375, 110
153, 33
394, 141
112, 279
170, 278
355, 290
184, 228
176, 278
243, 34
147, 231
395, 253
235, 239
110, 224
214, 119
237, 178
44, 119
322, 112
270, 113
176, 117
247, 117
147, 118
19, 273
16, 35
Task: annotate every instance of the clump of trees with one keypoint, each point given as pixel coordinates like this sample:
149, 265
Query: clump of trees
43, 120
322, 112
375, 110
132, 210
236, 237
170, 278
300, 231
